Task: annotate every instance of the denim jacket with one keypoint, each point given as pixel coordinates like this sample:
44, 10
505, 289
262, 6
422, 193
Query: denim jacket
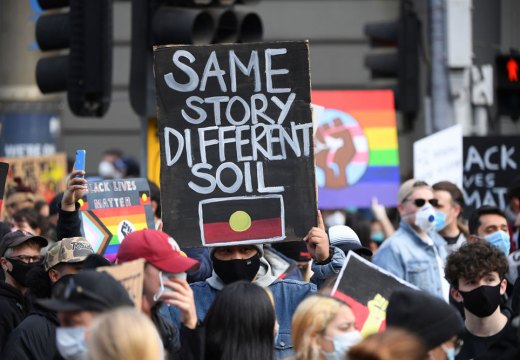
407, 256
287, 295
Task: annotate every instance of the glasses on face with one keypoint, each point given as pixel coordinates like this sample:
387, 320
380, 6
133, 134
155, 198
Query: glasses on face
68, 290
421, 202
27, 259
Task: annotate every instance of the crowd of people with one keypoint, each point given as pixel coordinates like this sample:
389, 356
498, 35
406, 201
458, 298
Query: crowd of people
263, 301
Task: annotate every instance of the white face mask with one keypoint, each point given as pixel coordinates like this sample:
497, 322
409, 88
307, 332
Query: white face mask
336, 218
342, 344
70, 342
425, 218
107, 170
162, 278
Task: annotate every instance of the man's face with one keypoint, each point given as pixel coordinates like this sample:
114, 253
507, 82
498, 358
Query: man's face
446, 205
75, 318
63, 269
490, 279
152, 283
408, 207
18, 201
491, 223
25, 253
237, 252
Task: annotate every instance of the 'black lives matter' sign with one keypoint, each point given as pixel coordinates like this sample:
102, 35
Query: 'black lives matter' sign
491, 163
235, 130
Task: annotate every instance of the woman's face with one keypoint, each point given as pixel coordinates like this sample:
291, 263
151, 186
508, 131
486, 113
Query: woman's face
344, 322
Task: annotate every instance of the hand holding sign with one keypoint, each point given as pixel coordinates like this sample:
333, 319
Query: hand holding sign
334, 151
318, 241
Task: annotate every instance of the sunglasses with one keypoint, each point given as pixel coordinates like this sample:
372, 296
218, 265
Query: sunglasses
421, 202
27, 259
69, 290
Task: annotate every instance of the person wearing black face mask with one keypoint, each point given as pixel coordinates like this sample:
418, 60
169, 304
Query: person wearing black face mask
476, 273
20, 252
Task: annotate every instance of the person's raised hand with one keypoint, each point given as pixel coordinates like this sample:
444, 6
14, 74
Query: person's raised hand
317, 241
378, 210
181, 296
76, 189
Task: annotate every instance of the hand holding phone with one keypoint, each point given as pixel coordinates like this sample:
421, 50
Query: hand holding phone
80, 160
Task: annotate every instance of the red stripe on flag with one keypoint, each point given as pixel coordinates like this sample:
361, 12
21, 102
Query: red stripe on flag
221, 232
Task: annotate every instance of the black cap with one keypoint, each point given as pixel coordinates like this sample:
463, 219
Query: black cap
88, 290
18, 237
429, 317
296, 250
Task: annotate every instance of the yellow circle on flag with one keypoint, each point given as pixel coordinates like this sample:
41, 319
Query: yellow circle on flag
144, 197
80, 201
240, 221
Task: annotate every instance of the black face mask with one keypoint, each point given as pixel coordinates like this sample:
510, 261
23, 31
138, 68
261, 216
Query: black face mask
482, 301
20, 270
234, 270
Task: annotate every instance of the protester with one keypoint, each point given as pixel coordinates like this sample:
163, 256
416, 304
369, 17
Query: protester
35, 337
344, 238
391, 344
382, 219
415, 252
448, 214
17, 198
476, 273
240, 324
334, 217
298, 253
69, 220
377, 236
513, 210
19, 253
434, 321
123, 333
323, 328
78, 299
489, 223
164, 283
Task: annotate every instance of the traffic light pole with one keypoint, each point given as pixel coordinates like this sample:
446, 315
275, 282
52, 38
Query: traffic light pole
442, 114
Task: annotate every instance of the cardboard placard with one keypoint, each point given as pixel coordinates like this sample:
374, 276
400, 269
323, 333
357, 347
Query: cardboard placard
438, 157
356, 149
4, 168
131, 276
366, 288
235, 129
491, 163
112, 209
46, 175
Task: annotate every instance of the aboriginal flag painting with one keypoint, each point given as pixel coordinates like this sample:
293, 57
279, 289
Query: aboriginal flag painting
242, 219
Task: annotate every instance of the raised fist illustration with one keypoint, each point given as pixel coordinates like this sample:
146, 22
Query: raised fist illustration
334, 151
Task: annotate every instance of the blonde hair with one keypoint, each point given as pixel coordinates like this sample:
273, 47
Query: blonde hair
123, 333
389, 345
311, 319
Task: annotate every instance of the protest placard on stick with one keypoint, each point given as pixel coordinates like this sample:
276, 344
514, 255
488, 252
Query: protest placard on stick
131, 276
235, 129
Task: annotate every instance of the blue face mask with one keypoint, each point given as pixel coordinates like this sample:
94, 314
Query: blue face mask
377, 237
70, 342
500, 239
440, 220
450, 353
342, 343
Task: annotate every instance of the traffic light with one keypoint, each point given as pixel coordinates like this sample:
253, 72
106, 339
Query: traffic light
508, 85
163, 22
85, 73
399, 59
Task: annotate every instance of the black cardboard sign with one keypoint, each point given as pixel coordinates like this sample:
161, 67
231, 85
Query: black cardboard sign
235, 129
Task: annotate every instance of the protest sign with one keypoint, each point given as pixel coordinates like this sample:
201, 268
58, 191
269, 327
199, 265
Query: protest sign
112, 209
131, 276
4, 168
46, 175
438, 157
356, 149
235, 130
491, 163
366, 288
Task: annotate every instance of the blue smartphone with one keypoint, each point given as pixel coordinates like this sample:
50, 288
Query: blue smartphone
80, 160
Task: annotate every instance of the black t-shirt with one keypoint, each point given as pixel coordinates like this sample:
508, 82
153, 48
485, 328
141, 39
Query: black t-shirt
476, 345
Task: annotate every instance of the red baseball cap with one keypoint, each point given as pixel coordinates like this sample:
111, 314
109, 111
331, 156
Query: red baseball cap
157, 248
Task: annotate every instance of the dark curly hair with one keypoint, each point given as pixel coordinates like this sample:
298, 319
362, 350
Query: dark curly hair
473, 260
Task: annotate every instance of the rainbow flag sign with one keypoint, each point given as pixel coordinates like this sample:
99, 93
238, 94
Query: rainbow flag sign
112, 209
356, 149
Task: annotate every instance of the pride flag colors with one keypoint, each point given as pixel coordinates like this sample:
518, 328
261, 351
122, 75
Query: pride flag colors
356, 148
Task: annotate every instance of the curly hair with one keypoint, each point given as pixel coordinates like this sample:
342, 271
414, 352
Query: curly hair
473, 260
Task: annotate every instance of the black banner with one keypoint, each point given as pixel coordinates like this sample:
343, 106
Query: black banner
235, 130
491, 163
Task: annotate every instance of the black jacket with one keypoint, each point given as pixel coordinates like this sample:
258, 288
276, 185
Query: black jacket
34, 338
13, 309
69, 223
